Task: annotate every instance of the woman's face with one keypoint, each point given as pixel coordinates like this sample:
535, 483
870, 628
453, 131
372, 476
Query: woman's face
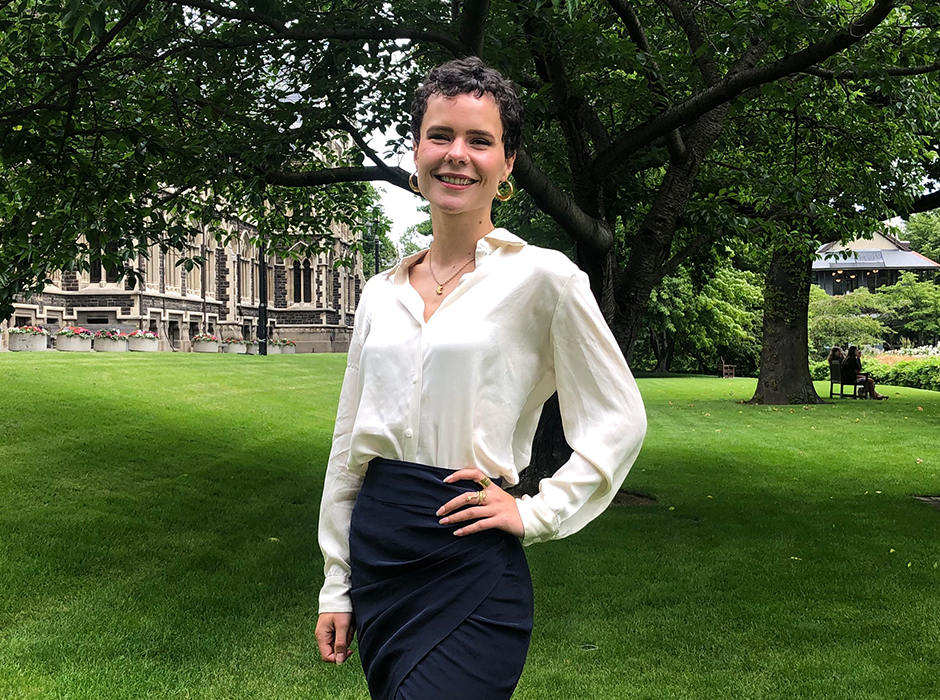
460, 157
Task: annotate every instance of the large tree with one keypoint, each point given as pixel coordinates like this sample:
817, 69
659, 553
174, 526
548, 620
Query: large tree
109, 103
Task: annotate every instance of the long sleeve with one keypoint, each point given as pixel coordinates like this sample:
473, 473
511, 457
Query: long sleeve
602, 414
341, 486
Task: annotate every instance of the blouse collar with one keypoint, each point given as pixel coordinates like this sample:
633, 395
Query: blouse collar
490, 243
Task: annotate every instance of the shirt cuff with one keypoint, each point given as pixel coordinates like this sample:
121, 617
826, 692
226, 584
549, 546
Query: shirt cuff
538, 520
334, 596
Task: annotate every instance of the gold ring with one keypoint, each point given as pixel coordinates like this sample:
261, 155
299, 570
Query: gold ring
482, 497
485, 482
469, 498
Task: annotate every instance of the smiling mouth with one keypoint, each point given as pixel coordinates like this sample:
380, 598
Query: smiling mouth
452, 180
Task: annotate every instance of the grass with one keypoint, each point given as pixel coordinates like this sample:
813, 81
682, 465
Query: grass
158, 540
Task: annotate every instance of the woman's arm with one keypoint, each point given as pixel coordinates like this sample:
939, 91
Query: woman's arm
341, 486
604, 422
602, 414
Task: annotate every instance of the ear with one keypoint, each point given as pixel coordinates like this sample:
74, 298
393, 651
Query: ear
510, 161
414, 150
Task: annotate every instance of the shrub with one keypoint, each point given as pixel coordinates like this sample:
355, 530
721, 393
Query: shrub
205, 338
147, 335
819, 371
916, 374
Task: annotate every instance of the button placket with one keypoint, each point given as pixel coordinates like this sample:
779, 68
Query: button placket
411, 445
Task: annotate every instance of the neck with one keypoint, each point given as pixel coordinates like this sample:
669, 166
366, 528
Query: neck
456, 235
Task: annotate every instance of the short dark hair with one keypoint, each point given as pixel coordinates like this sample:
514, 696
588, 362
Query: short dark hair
470, 76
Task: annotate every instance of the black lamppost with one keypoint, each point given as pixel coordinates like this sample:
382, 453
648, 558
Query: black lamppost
262, 301
375, 241
376, 252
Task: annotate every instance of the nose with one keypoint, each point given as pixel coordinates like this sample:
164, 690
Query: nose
457, 153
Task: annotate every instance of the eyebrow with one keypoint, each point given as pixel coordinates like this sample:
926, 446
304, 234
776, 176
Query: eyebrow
475, 132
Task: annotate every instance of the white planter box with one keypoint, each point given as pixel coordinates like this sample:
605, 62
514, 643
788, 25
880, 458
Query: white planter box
110, 345
274, 349
235, 349
143, 345
288, 350
25, 342
252, 348
205, 346
73, 344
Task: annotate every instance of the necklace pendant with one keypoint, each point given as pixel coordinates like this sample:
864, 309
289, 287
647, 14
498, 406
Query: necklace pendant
440, 289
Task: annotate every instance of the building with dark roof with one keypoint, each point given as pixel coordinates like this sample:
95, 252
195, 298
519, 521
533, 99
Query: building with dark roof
872, 263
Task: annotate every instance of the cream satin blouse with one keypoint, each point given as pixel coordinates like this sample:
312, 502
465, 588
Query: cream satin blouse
466, 388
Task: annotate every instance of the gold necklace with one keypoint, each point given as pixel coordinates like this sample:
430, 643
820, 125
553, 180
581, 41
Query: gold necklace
440, 285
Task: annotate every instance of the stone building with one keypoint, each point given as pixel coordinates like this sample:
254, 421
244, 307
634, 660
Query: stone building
310, 301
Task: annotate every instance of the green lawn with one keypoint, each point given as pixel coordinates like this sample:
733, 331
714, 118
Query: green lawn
158, 540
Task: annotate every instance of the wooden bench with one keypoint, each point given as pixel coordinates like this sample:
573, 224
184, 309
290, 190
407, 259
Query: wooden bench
835, 377
725, 371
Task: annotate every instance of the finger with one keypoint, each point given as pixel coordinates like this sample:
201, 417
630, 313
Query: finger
464, 475
468, 514
468, 498
324, 634
341, 642
478, 526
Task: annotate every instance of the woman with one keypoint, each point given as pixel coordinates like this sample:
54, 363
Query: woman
852, 373
835, 355
454, 352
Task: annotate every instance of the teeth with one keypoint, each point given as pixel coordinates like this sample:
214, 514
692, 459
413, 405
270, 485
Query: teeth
455, 180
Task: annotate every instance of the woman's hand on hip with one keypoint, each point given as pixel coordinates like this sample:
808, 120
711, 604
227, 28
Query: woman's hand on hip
496, 509
334, 635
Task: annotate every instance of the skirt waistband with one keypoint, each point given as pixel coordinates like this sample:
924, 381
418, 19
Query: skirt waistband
411, 483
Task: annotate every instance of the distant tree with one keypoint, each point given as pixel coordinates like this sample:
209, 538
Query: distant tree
416, 237
688, 329
850, 319
923, 232
913, 308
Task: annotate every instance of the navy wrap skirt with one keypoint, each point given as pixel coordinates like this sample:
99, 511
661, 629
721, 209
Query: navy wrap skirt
437, 616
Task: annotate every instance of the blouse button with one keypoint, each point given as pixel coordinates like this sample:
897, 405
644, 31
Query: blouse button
414, 378
409, 432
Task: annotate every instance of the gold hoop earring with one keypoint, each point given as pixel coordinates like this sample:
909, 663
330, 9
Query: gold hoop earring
505, 196
413, 183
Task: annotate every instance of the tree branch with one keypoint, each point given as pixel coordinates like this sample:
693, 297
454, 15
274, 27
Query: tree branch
332, 176
686, 20
699, 242
73, 73
341, 33
927, 202
473, 18
855, 75
392, 175
733, 85
631, 19
582, 228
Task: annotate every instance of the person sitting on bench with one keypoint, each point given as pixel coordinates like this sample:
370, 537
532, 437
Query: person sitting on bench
852, 374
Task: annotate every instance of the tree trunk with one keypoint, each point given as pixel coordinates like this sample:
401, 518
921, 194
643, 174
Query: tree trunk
784, 359
550, 450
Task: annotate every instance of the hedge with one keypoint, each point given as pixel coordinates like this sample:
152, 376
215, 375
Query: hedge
916, 374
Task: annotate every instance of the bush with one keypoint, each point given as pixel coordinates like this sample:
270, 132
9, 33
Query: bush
916, 374
819, 371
